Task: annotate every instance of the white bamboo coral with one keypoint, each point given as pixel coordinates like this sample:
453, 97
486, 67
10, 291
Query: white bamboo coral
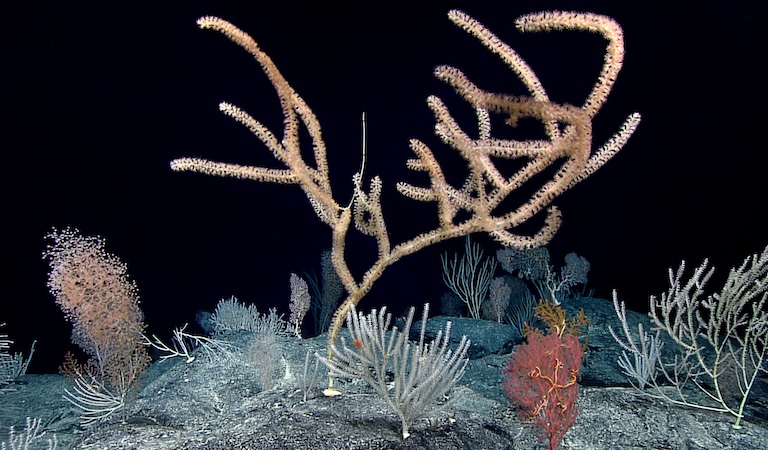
569, 139
721, 339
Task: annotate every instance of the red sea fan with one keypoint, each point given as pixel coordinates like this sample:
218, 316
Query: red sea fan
541, 383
